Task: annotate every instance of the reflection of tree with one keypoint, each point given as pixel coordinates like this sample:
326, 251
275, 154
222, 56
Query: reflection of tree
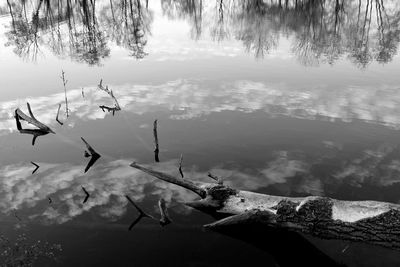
71, 28
186, 9
127, 23
320, 31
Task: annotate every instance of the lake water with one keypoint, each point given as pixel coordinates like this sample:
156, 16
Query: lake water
281, 99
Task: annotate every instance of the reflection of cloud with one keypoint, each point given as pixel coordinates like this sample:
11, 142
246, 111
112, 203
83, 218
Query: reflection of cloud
190, 99
108, 183
378, 167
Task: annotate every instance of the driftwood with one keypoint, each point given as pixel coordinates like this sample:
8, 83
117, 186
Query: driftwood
142, 214
180, 166
42, 128
373, 222
156, 148
37, 167
87, 195
116, 107
58, 112
165, 219
94, 156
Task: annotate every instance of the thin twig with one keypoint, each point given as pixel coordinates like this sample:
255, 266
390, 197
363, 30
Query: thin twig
87, 195
37, 167
216, 178
58, 111
65, 90
180, 166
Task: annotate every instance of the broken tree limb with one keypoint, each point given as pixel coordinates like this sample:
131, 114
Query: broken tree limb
180, 166
142, 214
58, 112
87, 195
216, 178
42, 128
37, 167
94, 156
171, 179
372, 222
65, 81
165, 219
156, 148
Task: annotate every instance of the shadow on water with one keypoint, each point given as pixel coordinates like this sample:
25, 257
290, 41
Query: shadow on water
288, 248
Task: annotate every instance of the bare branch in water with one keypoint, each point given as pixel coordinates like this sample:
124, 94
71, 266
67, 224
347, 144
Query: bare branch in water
110, 93
180, 166
92, 153
142, 214
50, 200
156, 149
43, 129
37, 167
65, 91
58, 112
83, 93
16, 215
164, 220
87, 195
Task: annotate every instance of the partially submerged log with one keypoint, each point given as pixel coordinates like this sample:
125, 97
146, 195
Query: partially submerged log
94, 156
372, 222
42, 128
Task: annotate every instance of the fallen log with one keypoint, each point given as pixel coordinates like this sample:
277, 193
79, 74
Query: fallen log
372, 222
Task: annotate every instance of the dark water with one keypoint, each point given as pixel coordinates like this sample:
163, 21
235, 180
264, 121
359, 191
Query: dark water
277, 98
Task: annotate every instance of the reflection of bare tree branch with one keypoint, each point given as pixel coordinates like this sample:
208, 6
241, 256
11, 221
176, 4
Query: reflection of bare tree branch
36, 167
156, 148
142, 214
110, 93
165, 219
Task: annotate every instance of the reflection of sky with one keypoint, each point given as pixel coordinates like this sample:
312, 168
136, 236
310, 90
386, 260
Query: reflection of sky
193, 98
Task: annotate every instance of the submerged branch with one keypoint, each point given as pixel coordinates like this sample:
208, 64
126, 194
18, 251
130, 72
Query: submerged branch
142, 214
58, 112
37, 167
156, 148
87, 195
94, 156
42, 128
164, 220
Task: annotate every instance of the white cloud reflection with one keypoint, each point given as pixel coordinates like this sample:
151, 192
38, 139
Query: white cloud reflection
193, 98
109, 183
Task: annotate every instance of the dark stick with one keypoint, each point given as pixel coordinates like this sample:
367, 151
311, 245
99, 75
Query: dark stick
156, 149
165, 220
37, 167
58, 111
94, 156
87, 195
180, 166
142, 214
